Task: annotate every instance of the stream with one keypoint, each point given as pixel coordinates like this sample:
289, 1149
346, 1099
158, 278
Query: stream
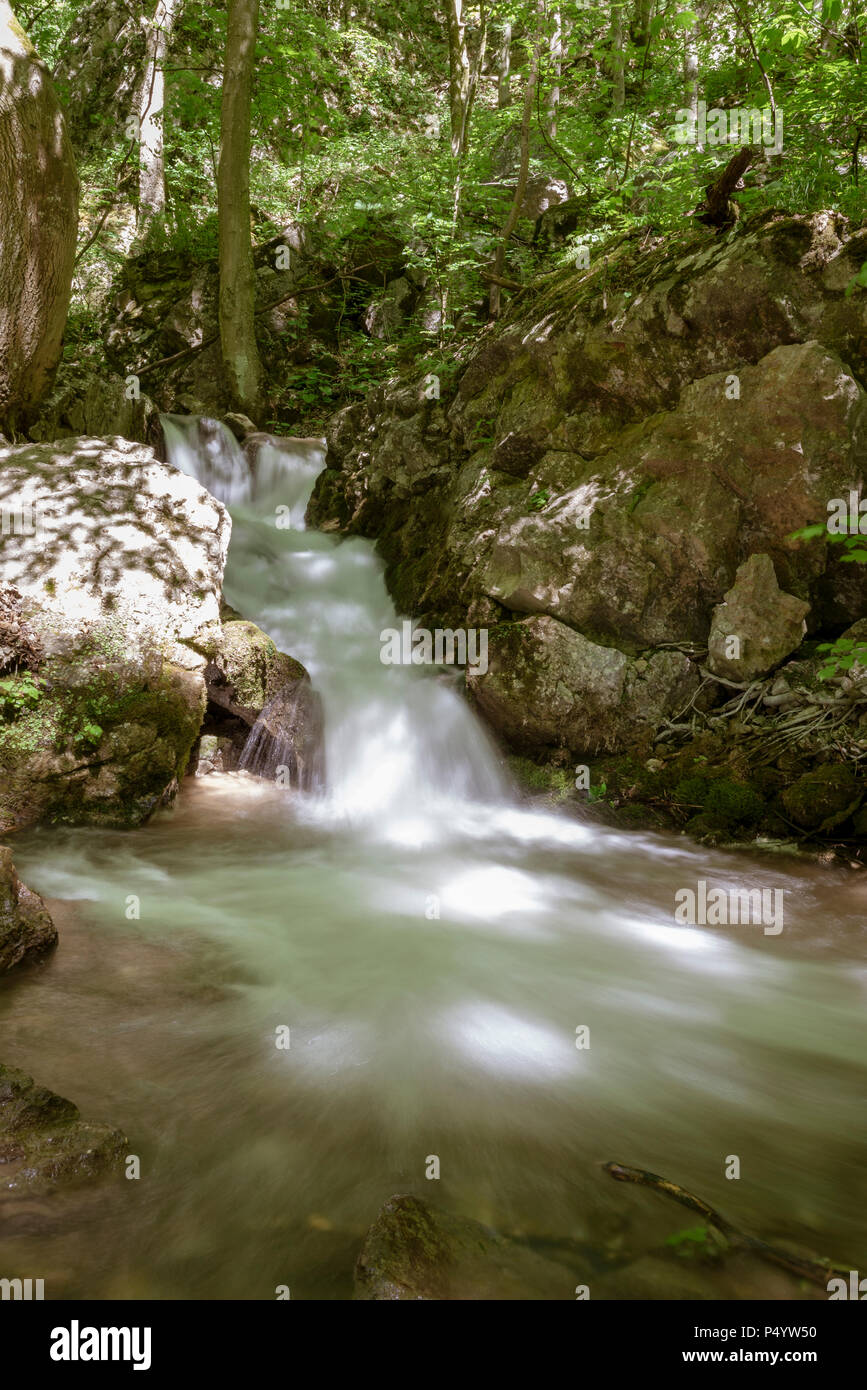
432, 941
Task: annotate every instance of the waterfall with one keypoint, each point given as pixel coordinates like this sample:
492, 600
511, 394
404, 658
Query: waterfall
401, 745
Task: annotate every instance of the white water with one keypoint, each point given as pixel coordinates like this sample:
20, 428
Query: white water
433, 944
402, 749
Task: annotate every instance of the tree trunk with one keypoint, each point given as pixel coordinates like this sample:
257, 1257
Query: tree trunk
639, 29
459, 76
520, 190
618, 58
555, 53
241, 361
690, 72
38, 224
504, 66
152, 168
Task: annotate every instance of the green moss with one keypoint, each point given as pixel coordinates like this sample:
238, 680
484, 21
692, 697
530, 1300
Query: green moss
823, 799
544, 777
732, 803
691, 791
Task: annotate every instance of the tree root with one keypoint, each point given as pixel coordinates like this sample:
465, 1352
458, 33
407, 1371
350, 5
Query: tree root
817, 1271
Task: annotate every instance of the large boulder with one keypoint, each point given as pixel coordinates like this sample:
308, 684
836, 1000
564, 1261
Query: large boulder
26, 929
43, 1139
756, 626
117, 561
416, 1251
616, 451
547, 687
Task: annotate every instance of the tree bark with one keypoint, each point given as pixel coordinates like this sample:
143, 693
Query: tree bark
504, 66
690, 72
241, 361
555, 54
38, 224
618, 57
520, 190
459, 76
152, 167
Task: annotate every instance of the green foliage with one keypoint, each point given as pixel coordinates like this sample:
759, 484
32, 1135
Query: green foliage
841, 657
350, 128
19, 694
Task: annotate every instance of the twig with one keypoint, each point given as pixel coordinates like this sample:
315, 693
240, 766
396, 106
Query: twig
817, 1271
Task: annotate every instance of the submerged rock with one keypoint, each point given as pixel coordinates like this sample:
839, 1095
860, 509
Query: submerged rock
416, 1251
26, 929
43, 1139
118, 562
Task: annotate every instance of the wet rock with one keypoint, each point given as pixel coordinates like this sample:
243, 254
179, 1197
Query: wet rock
824, 798
246, 670
756, 626
287, 741
548, 686
43, 1139
26, 929
240, 425
416, 1251
215, 754
119, 563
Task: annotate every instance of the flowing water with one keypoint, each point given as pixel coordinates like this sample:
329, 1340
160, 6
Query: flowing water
432, 944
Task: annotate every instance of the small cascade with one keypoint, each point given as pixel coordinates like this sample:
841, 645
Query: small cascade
287, 469
207, 450
285, 743
401, 745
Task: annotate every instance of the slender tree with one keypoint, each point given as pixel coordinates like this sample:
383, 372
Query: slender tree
152, 165
504, 66
241, 361
523, 169
555, 61
618, 57
38, 223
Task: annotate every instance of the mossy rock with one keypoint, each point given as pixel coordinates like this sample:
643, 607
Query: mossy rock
103, 746
706, 829
823, 799
691, 791
732, 803
26, 930
43, 1139
541, 777
247, 670
415, 1251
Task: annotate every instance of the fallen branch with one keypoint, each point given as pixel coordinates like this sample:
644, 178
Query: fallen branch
817, 1271
500, 280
